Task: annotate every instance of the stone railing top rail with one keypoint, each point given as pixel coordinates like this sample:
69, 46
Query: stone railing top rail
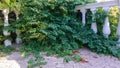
96, 5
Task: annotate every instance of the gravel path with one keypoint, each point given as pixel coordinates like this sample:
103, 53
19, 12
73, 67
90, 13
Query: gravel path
94, 61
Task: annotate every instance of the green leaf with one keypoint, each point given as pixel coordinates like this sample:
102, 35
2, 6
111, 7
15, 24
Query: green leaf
67, 59
77, 58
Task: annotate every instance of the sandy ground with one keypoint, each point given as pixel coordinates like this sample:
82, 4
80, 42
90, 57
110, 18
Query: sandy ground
94, 61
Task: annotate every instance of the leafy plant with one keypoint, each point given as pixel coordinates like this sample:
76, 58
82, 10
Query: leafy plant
51, 26
32, 48
67, 59
32, 63
77, 58
6, 50
1, 32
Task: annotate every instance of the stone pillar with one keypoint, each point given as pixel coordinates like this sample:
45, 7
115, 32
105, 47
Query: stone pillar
93, 25
18, 39
83, 16
7, 42
118, 29
106, 27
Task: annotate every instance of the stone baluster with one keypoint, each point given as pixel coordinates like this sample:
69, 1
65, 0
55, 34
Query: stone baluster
18, 39
7, 42
93, 25
118, 28
83, 16
17, 15
106, 27
118, 32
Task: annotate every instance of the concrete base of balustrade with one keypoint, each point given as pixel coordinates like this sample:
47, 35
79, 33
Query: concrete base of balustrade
6, 33
18, 40
94, 27
7, 43
106, 35
118, 45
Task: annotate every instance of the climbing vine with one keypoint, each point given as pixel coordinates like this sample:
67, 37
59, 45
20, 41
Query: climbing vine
52, 26
53, 23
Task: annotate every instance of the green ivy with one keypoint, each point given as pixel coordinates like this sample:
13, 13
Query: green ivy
1, 32
5, 50
51, 26
53, 23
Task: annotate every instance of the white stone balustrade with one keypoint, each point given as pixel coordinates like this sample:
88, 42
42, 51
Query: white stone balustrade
106, 6
97, 5
7, 42
91, 6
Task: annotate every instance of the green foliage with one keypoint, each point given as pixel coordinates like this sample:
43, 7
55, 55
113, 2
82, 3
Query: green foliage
97, 42
100, 16
113, 18
37, 61
52, 27
5, 50
12, 5
33, 47
1, 32
32, 63
77, 58
67, 59
52, 24
100, 44
48, 20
